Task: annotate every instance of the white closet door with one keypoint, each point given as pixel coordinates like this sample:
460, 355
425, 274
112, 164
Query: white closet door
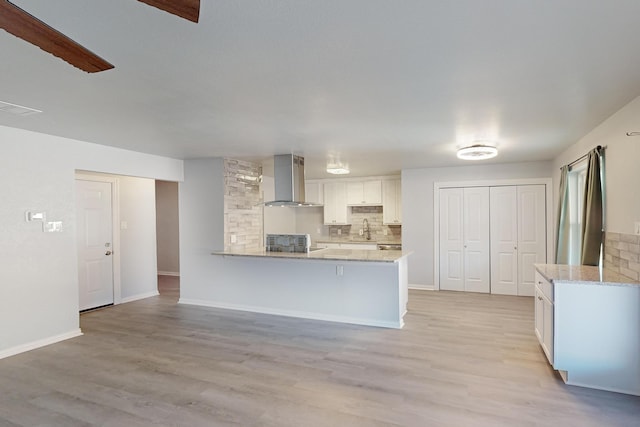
504, 240
476, 239
451, 240
531, 235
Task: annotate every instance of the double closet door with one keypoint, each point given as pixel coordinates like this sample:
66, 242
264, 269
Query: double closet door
490, 237
464, 239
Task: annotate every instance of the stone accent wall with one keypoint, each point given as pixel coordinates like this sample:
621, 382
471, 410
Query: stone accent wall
373, 214
242, 210
622, 254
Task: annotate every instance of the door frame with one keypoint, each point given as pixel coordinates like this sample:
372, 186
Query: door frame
115, 219
547, 182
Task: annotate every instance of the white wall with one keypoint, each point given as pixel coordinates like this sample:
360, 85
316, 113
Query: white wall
622, 158
138, 265
310, 221
38, 279
417, 206
167, 231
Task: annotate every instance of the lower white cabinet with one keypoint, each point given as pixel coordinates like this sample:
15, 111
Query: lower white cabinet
544, 315
589, 329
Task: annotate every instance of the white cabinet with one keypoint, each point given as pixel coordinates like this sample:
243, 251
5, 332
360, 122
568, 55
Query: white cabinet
353, 246
314, 192
335, 203
365, 193
544, 327
464, 239
392, 202
518, 237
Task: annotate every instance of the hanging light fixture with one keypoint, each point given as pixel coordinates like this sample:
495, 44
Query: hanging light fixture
477, 152
338, 168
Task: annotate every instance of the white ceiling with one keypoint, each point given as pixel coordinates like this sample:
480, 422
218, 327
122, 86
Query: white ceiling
385, 85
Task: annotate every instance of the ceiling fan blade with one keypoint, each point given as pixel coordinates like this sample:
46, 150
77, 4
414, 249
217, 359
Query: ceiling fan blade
187, 9
25, 26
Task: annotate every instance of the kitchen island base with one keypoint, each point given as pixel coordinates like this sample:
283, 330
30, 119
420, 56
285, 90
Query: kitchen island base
372, 293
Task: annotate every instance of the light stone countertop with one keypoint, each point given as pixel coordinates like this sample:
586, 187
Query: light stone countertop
583, 274
325, 255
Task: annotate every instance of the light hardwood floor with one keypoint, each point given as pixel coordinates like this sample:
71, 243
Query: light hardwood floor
462, 360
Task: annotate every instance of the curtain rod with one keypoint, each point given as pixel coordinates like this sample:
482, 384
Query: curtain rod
579, 159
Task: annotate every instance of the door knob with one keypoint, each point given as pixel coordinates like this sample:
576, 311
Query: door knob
108, 253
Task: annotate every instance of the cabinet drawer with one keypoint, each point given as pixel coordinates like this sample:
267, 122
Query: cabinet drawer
546, 287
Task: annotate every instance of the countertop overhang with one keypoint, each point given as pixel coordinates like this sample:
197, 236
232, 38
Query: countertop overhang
325, 255
585, 274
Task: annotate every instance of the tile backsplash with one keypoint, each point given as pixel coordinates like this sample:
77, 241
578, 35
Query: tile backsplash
622, 254
242, 210
373, 215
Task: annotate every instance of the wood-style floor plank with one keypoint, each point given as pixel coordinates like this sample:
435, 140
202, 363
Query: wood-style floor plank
462, 360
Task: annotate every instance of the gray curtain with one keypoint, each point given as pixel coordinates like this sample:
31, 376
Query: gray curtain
562, 228
592, 214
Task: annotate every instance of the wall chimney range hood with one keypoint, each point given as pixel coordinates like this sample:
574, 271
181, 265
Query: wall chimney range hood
288, 171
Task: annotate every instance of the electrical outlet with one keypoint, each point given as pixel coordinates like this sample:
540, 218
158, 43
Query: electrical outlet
339, 231
339, 270
361, 232
385, 232
637, 229
234, 238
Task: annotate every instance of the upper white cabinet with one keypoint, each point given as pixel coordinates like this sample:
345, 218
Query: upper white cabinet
314, 192
518, 237
335, 203
392, 202
464, 239
365, 193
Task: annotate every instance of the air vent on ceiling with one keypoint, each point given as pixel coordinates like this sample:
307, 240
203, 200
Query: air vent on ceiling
17, 110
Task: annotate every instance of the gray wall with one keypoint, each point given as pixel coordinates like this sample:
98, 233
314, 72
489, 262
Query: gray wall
39, 275
622, 171
201, 201
417, 206
167, 230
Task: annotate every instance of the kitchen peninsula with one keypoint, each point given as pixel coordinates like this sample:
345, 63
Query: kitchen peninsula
350, 286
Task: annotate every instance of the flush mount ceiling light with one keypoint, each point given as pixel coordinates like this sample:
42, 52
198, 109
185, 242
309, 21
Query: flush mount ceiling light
338, 168
477, 152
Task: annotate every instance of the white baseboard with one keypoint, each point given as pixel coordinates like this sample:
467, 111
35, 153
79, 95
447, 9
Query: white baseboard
39, 343
168, 273
293, 313
139, 296
422, 287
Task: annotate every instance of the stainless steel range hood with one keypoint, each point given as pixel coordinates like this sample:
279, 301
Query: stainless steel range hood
288, 171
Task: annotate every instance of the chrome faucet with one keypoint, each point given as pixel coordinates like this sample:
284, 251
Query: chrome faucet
365, 229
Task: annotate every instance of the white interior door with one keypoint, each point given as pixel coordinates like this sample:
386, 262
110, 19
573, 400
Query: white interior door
504, 240
451, 240
532, 233
95, 263
476, 239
